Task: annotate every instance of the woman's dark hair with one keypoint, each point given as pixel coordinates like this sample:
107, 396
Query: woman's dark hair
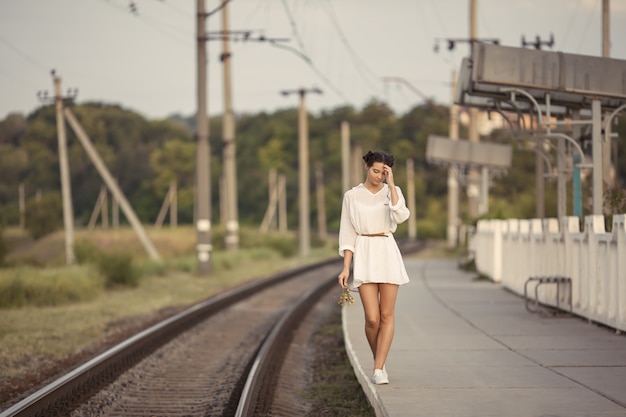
378, 156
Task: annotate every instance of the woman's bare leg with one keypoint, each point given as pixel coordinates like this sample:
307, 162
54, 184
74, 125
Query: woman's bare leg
371, 308
388, 294
379, 304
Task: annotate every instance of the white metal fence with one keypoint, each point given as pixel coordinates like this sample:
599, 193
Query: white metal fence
510, 251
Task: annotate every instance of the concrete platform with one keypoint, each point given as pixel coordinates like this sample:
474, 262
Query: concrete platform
469, 348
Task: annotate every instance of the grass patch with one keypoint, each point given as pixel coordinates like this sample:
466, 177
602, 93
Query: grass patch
30, 286
30, 335
335, 391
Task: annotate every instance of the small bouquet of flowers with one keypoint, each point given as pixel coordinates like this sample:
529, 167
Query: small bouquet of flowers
345, 298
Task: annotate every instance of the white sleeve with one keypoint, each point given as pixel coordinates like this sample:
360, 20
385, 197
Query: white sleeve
347, 234
399, 213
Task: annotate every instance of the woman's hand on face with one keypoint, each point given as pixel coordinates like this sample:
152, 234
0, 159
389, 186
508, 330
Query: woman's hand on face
388, 174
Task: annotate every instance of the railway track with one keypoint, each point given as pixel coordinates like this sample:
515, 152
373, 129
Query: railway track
231, 355
221, 357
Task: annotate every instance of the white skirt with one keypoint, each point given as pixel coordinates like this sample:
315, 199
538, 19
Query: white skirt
378, 259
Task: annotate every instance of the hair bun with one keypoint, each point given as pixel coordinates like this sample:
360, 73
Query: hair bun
378, 156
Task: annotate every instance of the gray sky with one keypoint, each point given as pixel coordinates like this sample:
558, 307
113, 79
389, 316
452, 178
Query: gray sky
146, 61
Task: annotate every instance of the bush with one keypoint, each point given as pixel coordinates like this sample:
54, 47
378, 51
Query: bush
44, 216
286, 246
24, 286
4, 248
427, 229
86, 252
118, 270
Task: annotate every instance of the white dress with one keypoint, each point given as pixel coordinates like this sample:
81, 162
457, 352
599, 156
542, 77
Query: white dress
376, 258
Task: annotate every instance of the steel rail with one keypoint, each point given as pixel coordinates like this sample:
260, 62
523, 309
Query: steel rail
271, 353
97, 372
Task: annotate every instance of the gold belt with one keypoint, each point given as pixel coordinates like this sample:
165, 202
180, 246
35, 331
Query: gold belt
374, 234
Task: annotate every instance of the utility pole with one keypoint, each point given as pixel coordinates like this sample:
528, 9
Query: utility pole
453, 173
321, 201
473, 185
303, 170
477, 189
231, 236
66, 188
410, 197
228, 198
108, 179
203, 172
357, 163
606, 53
345, 156
22, 205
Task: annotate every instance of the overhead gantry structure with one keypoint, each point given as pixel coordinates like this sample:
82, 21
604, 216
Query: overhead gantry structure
554, 96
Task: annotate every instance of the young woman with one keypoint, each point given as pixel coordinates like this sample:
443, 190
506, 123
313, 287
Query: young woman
370, 213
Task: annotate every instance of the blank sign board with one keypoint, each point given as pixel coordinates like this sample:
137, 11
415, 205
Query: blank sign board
444, 150
571, 80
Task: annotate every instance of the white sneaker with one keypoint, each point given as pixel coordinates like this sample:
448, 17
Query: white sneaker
380, 377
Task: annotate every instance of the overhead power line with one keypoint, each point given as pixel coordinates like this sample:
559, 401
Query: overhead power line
304, 52
359, 64
24, 55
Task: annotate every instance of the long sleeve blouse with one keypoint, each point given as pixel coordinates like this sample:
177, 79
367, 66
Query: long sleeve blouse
376, 258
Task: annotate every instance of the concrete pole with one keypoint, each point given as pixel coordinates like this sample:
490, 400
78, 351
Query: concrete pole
345, 156
282, 203
410, 196
173, 204
22, 205
453, 182
268, 218
473, 184
303, 170
104, 207
203, 152
357, 165
607, 164
606, 25
577, 198
111, 183
562, 178
66, 188
484, 191
115, 211
321, 204
596, 149
539, 181
231, 235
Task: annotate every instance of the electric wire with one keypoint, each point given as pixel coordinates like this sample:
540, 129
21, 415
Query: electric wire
309, 62
152, 23
570, 22
447, 59
438, 16
218, 8
24, 55
181, 12
19, 78
359, 64
584, 31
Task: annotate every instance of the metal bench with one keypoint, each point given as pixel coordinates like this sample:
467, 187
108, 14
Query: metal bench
558, 281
